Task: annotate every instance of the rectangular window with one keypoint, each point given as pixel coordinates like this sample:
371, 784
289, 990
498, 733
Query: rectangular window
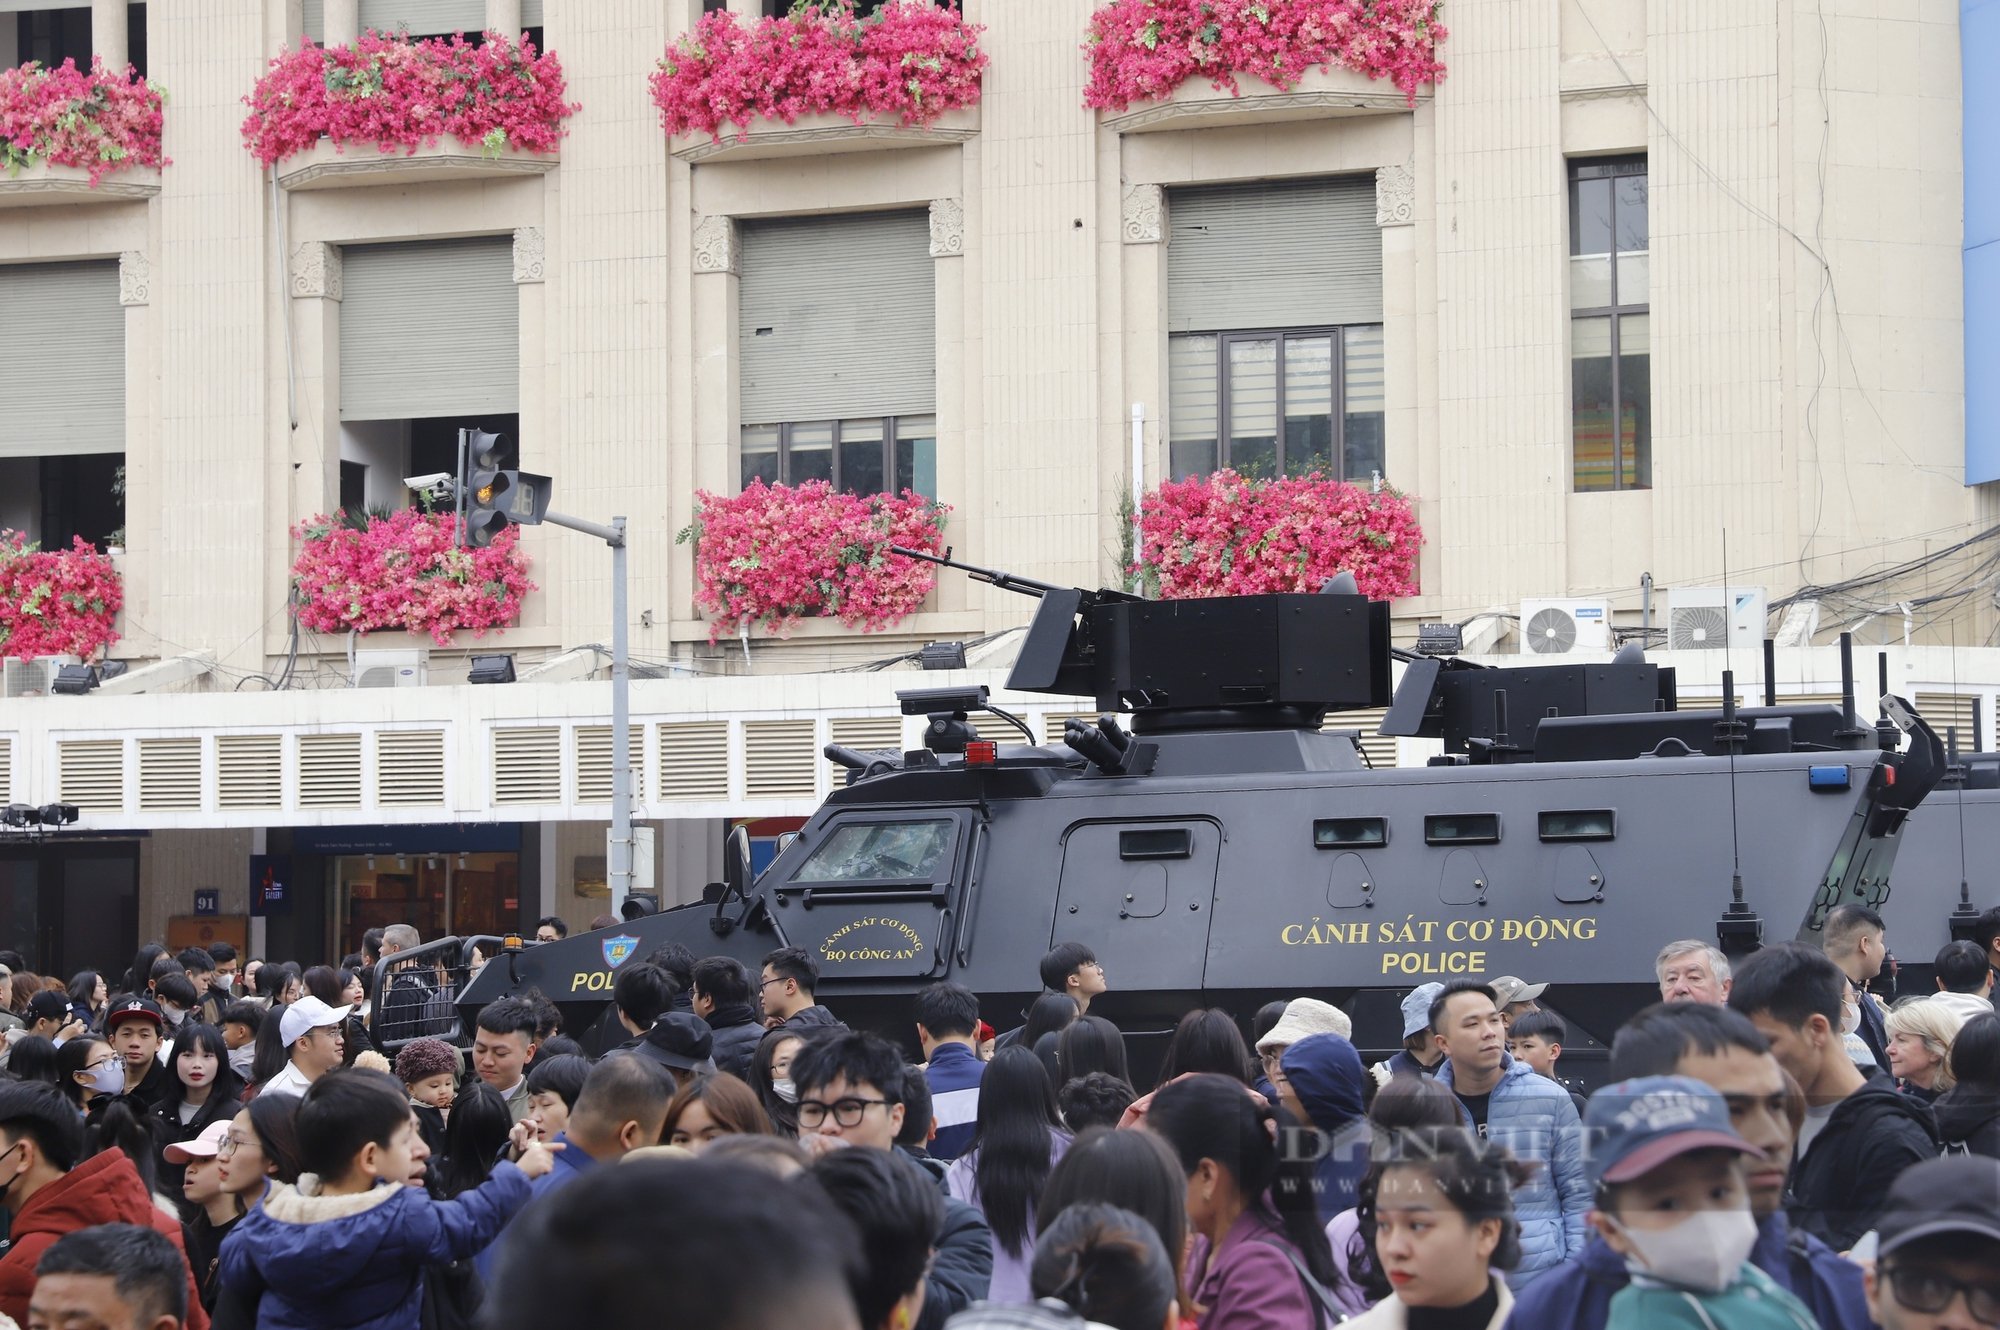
858, 456
1610, 349
1277, 403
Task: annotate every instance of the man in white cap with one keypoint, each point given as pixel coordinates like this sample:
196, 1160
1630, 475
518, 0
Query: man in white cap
1516, 996
1303, 1016
310, 1032
1420, 1055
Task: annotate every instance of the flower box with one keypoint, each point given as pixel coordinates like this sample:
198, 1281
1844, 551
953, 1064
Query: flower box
814, 135
777, 554
326, 165
393, 95
905, 68
406, 571
42, 185
56, 602
61, 125
1143, 53
1224, 535
1317, 95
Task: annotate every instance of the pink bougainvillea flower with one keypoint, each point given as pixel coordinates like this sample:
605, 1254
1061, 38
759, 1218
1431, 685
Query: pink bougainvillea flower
912, 60
99, 120
1141, 50
776, 554
397, 94
1223, 535
406, 571
56, 602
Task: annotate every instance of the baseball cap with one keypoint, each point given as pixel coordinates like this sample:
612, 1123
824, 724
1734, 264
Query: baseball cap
205, 1146
1510, 990
49, 1005
679, 1039
1955, 1194
1635, 1126
305, 1016
1417, 1008
134, 1009
1304, 1016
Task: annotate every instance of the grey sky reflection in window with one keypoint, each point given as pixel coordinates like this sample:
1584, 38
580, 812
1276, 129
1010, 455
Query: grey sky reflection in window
881, 852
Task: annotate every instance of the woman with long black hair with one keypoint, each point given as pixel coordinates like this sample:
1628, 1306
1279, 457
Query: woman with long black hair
1207, 1041
1017, 1139
1260, 1260
202, 1088
90, 995
1088, 1044
139, 979
474, 1136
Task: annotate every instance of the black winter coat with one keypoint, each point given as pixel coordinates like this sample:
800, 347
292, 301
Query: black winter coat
1968, 1120
737, 1031
1874, 1134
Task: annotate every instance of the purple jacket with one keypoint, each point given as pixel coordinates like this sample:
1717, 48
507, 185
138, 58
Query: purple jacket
1010, 1272
1343, 1232
1251, 1284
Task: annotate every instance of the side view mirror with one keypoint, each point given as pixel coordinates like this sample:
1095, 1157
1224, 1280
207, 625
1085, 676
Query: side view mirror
736, 862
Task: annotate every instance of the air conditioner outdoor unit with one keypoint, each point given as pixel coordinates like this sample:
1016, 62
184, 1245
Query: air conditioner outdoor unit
1559, 627
391, 669
31, 677
1708, 618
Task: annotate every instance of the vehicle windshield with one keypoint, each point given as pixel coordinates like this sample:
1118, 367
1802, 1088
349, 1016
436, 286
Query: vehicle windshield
881, 852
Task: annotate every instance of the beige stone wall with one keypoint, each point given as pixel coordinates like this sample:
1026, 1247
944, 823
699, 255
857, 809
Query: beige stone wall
1819, 421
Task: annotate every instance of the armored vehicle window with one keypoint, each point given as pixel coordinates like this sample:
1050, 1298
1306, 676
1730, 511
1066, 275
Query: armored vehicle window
1332, 833
881, 852
1165, 843
1580, 824
1462, 828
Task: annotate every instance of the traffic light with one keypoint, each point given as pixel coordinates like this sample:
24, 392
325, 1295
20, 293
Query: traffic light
491, 498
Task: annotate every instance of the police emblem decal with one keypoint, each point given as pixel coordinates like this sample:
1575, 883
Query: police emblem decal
617, 950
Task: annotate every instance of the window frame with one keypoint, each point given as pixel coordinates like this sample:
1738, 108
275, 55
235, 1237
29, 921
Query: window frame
1336, 333
1612, 169
889, 445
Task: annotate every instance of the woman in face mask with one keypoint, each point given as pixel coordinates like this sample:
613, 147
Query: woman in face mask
771, 1078
87, 1068
1439, 1217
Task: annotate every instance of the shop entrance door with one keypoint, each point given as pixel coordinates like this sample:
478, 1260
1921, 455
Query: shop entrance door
68, 906
442, 894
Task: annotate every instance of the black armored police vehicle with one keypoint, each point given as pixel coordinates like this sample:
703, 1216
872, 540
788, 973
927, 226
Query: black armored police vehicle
1214, 845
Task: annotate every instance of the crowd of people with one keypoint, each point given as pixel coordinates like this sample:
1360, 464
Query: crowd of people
207, 1139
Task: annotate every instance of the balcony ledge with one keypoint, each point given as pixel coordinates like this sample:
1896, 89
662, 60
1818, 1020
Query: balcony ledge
43, 185
1198, 104
813, 135
360, 166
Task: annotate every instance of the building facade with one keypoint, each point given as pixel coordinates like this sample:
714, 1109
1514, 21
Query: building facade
1643, 294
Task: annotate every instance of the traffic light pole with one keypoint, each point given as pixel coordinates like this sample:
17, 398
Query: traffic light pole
618, 857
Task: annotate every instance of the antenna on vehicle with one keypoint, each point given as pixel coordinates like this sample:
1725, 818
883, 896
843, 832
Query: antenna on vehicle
1964, 916
1739, 930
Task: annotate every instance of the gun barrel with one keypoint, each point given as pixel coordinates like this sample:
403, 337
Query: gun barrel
1026, 586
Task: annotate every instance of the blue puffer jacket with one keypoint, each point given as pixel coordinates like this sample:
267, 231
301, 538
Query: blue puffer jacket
1536, 1120
1578, 1296
308, 1262
1326, 1074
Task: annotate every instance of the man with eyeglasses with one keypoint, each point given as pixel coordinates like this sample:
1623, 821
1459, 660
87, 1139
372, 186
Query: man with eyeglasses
785, 990
1937, 1262
851, 1096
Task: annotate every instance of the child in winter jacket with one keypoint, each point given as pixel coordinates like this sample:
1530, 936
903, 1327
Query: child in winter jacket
347, 1247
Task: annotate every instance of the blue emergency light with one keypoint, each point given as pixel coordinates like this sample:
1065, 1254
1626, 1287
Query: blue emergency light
1829, 778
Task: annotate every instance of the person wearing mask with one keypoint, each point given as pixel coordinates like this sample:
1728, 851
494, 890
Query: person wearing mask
709, 1108
309, 1032
226, 966
1260, 1260
1320, 1081
210, 998
200, 1092
894, 1213
1017, 1140
1420, 1055
785, 990
1937, 1263
51, 1189
1721, 1049
771, 1078
211, 1211
87, 1070
1859, 1133
851, 1095
1440, 1219
1668, 1169
1507, 1104
1692, 971
1855, 940
947, 1026
722, 997
116, 1276
1968, 1114
1920, 1033
240, 1023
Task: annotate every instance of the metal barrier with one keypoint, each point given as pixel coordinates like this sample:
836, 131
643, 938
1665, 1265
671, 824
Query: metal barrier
416, 993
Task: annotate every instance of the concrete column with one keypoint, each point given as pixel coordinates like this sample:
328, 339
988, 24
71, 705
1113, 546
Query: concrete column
504, 17
109, 39
343, 22
313, 278
747, 8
